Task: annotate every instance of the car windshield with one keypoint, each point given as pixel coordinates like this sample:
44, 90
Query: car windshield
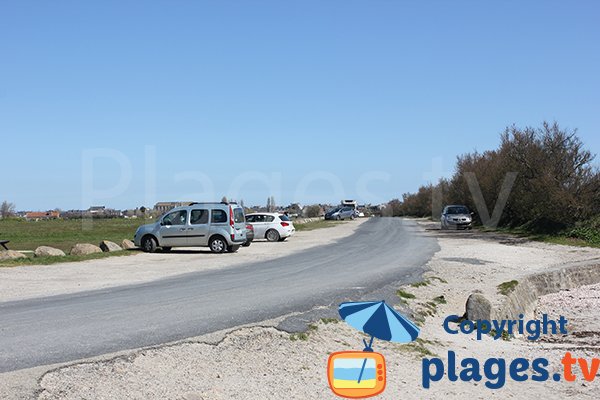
333, 210
458, 210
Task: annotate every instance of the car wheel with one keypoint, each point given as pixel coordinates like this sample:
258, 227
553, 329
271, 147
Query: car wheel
149, 244
247, 244
233, 249
217, 244
339, 218
272, 235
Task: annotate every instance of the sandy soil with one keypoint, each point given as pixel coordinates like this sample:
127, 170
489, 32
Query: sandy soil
19, 283
264, 363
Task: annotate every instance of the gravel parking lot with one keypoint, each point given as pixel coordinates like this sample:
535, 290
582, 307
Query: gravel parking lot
19, 283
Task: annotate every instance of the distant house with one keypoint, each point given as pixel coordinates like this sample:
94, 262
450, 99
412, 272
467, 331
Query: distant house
97, 209
164, 206
37, 215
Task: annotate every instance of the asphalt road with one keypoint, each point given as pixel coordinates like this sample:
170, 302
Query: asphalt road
69, 327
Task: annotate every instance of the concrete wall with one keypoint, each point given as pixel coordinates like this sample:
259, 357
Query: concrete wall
523, 299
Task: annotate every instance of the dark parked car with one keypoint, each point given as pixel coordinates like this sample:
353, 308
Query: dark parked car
456, 217
249, 235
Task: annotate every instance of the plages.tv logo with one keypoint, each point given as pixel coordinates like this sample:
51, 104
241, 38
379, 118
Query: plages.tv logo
361, 374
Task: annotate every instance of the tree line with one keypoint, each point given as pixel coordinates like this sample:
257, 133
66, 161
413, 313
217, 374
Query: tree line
539, 179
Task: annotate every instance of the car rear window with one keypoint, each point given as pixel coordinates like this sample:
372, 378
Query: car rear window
238, 215
284, 218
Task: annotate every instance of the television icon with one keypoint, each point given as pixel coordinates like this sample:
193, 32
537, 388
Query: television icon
356, 374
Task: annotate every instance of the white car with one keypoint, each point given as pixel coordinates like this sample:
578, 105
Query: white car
271, 226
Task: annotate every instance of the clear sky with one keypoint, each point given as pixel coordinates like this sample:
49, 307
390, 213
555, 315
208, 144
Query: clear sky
124, 103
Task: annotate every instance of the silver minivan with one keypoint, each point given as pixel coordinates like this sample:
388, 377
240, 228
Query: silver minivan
220, 226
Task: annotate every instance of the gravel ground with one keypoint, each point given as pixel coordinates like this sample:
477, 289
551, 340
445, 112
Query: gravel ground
264, 363
583, 304
23, 282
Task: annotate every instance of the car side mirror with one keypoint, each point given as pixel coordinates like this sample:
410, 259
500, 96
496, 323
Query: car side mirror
472, 213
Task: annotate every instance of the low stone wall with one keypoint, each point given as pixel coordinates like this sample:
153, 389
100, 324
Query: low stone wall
306, 220
524, 296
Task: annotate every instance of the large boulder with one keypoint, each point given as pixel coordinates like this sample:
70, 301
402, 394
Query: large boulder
478, 307
82, 249
127, 244
10, 255
107, 246
47, 251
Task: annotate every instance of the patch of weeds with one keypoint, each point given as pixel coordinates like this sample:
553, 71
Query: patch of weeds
420, 284
437, 278
404, 294
312, 327
507, 288
419, 347
330, 320
440, 299
299, 336
426, 311
504, 336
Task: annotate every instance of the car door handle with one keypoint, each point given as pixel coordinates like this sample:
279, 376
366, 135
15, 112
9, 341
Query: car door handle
182, 229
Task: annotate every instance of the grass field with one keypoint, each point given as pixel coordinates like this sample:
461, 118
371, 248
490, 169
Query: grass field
63, 234
309, 226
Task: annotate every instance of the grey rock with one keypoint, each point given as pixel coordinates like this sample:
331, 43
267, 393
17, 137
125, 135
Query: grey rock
82, 249
127, 244
47, 251
11, 255
107, 246
478, 307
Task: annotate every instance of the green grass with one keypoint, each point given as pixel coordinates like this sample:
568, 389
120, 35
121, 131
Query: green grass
319, 224
507, 288
30, 260
299, 336
504, 335
404, 294
330, 320
441, 280
63, 234
420, 284
419, 348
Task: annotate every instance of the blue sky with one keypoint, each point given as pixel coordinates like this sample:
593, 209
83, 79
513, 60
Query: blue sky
307, 101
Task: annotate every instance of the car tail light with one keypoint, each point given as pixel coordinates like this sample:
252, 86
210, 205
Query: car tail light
285, 224
231, 222
250, 227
